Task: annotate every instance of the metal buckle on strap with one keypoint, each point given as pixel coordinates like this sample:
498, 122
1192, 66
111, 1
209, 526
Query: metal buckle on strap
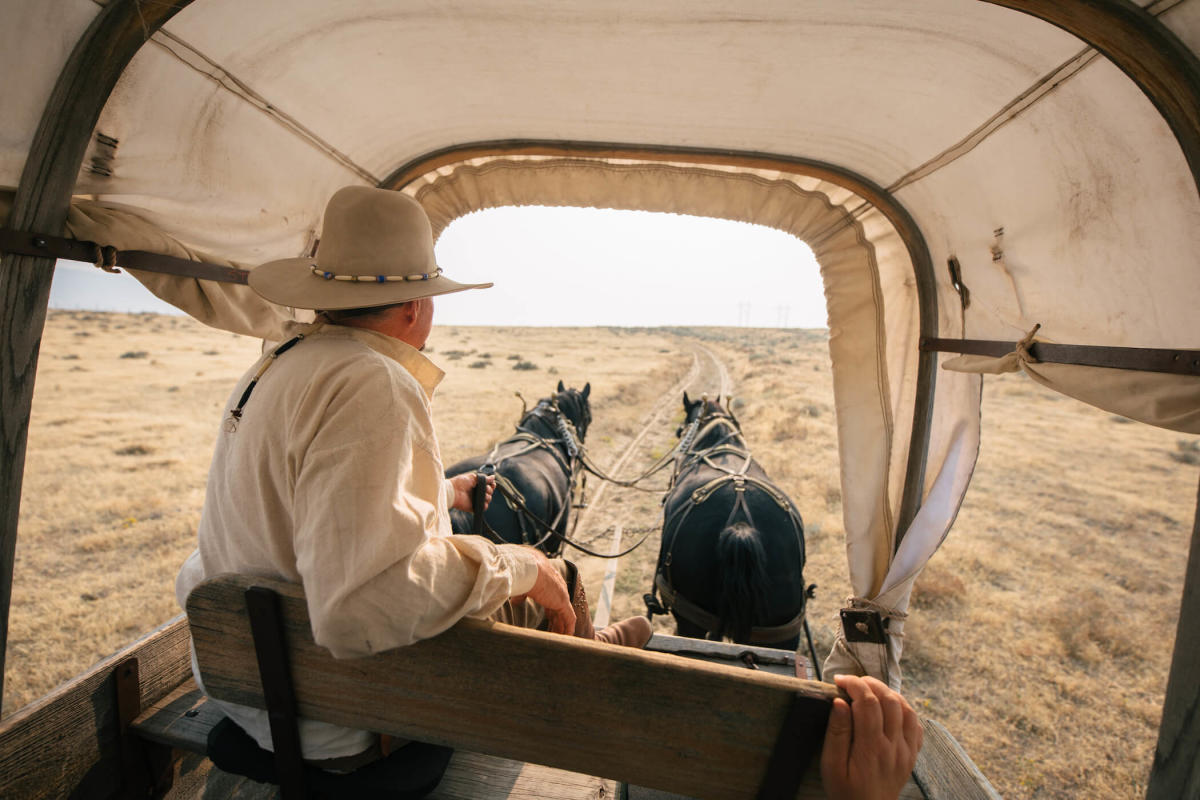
704, 492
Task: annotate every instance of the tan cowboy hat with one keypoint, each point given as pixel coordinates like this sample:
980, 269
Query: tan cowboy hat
376, 249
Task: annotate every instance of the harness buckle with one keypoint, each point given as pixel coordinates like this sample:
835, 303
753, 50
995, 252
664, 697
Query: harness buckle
653, 606
739, 483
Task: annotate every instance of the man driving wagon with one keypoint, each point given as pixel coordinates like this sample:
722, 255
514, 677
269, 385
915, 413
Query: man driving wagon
327, 473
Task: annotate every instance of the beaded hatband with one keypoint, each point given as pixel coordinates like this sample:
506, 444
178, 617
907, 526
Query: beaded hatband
330, 276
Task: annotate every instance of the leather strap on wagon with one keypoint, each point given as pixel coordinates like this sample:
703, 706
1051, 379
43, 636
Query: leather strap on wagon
759, 634
109, 258
800, 737
266, 626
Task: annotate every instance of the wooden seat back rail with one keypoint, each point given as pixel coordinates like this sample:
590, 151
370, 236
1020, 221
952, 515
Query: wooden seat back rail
693, 728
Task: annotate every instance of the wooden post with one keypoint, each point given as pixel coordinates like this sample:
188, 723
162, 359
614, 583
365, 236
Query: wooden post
40, 206
1176, 769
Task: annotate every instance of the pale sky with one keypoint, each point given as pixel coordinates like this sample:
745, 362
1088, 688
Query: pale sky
576, 266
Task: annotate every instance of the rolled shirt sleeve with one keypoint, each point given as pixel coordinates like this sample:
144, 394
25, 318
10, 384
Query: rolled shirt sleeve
372, 537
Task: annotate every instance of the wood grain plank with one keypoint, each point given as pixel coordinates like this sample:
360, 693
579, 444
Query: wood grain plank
472, 776
945, 772
780, 662
66, 744
182, 719
195, 778
651, 719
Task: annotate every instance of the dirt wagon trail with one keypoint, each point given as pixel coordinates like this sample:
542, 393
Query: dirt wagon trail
631, 514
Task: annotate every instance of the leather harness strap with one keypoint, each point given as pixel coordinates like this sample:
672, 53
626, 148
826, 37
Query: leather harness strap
508, 490
513, 497
709, 621
689, 459
704, 492
800, 738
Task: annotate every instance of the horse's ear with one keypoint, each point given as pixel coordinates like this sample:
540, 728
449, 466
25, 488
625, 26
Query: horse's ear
587, 389
686, 403
561, 388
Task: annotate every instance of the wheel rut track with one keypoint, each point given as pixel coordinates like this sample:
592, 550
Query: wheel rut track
642, 512
707, 372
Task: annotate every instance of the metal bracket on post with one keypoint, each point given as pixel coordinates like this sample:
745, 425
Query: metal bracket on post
864, 625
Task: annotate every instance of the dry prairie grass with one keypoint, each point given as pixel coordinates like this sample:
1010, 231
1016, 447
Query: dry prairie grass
1041, 632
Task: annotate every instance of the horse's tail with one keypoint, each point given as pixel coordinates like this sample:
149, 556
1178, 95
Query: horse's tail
744, 580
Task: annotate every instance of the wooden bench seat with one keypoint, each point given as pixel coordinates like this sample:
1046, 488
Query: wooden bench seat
649, 719
72, 742
672, 724
181, 720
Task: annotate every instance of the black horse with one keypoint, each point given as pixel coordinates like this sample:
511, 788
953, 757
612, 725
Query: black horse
732, 555
535, 470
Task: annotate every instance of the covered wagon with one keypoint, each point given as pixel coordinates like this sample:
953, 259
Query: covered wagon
987, 186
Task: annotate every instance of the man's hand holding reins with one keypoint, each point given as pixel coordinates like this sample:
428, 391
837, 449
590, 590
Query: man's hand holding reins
550, 592
464, 489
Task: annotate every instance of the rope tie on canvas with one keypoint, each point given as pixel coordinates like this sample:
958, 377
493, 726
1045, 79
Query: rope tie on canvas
105, 258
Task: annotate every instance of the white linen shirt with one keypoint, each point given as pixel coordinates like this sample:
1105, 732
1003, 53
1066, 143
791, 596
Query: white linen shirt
333, 479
